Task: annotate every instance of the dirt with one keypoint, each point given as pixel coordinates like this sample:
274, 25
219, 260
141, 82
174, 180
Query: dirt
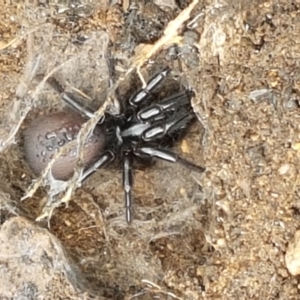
221, 234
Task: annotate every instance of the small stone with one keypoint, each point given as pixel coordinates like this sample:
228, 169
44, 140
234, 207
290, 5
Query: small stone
284, 169
296, 146
292, 256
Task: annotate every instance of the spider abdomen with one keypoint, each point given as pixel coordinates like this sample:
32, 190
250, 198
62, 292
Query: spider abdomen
45, 136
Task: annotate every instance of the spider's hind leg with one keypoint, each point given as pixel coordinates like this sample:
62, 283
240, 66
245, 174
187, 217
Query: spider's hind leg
105, 158
69, 99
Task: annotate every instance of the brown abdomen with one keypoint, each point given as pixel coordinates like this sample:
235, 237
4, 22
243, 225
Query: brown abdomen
46, 135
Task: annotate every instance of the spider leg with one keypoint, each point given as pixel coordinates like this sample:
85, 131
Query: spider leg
167, 127
127, 184
167, 155
73, 103
158, 110
105, 158
144, 93
69, 99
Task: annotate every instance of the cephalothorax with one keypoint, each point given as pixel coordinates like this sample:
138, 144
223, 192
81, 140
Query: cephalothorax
144, 128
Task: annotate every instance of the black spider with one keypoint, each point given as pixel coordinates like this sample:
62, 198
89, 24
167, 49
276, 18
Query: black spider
146, 128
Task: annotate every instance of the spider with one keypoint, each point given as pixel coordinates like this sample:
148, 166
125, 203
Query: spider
146, 128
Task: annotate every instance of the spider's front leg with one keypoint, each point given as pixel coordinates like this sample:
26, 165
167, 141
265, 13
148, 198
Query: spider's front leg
158, 110
167, 155
167, 127
143, 94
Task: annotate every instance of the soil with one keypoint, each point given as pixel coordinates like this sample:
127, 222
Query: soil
220, 234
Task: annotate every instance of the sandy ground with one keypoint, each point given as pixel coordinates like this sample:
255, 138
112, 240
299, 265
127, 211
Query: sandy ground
223, 234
